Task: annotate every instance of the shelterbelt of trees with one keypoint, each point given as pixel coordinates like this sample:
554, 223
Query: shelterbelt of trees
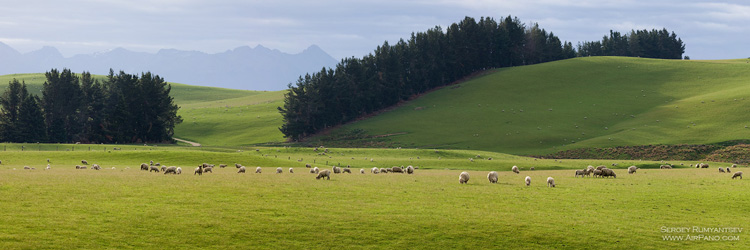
74, 108
357, 87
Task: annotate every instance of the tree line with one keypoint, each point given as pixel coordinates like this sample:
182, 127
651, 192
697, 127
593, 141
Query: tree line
73, 108
637, 43
357, 87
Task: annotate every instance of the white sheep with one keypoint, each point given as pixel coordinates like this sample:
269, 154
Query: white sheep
528, 180
632, 169
734, 165
48, 167
737, 174
336, 170
279, 170
515, 169
84, 162
258, 170
550, 182
665, 167
361, 171
198, 170
325, 173
241, 170
347, 170
178, 171
580, 172
492, 177
291, 170
463, 178
728, 170
315, 170
375, 170
409, 169
721, 170
170, 170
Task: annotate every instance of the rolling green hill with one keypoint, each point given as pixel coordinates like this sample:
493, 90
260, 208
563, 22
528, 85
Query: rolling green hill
212, 116
576, 103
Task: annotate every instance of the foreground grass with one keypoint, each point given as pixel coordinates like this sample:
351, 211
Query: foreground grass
65, 208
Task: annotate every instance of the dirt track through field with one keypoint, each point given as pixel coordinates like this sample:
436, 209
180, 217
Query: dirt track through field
195, 144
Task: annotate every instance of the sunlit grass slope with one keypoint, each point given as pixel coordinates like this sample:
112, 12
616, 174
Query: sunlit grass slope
582, 102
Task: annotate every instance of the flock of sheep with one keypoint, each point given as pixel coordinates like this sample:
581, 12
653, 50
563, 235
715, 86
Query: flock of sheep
600, 171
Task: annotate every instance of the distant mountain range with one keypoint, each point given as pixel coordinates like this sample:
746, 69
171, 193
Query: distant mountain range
246, 68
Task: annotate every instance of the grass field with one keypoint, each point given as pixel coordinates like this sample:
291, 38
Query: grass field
65, 208
582, 102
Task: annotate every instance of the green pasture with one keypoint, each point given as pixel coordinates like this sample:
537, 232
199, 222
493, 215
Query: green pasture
582, 102
65, 208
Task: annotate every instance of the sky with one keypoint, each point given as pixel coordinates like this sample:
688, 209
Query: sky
346, 28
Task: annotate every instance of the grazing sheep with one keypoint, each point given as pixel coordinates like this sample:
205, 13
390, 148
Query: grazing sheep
237, 165
515, 169
336, 170
157, 164
291, 170
463, 178
608, 172
163, 168
144, 166
532, 168
590, 168
222, 165
734, 165
178, 171
383, 170
397, 170
241, 170
83, 167
314, 170
580, 172
721, 170
258, 170
492, 177
26, 167
347, 170
154, 169
48, 167
279, 170
614, 164
737, 174
198, 170
597, 172
728, 171
325, 173
550, 182
600, 167
632, 169
113, 168
308, 166
528, 180
170, 170
96, 167
375, 170
704, 165
409, 169
361, 171
84, 162
665, 167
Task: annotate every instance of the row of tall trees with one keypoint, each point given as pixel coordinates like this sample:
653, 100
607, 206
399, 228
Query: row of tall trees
123, 108
393, 73
637, 43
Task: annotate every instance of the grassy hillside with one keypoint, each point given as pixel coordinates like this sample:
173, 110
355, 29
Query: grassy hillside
582, 102
212, 116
